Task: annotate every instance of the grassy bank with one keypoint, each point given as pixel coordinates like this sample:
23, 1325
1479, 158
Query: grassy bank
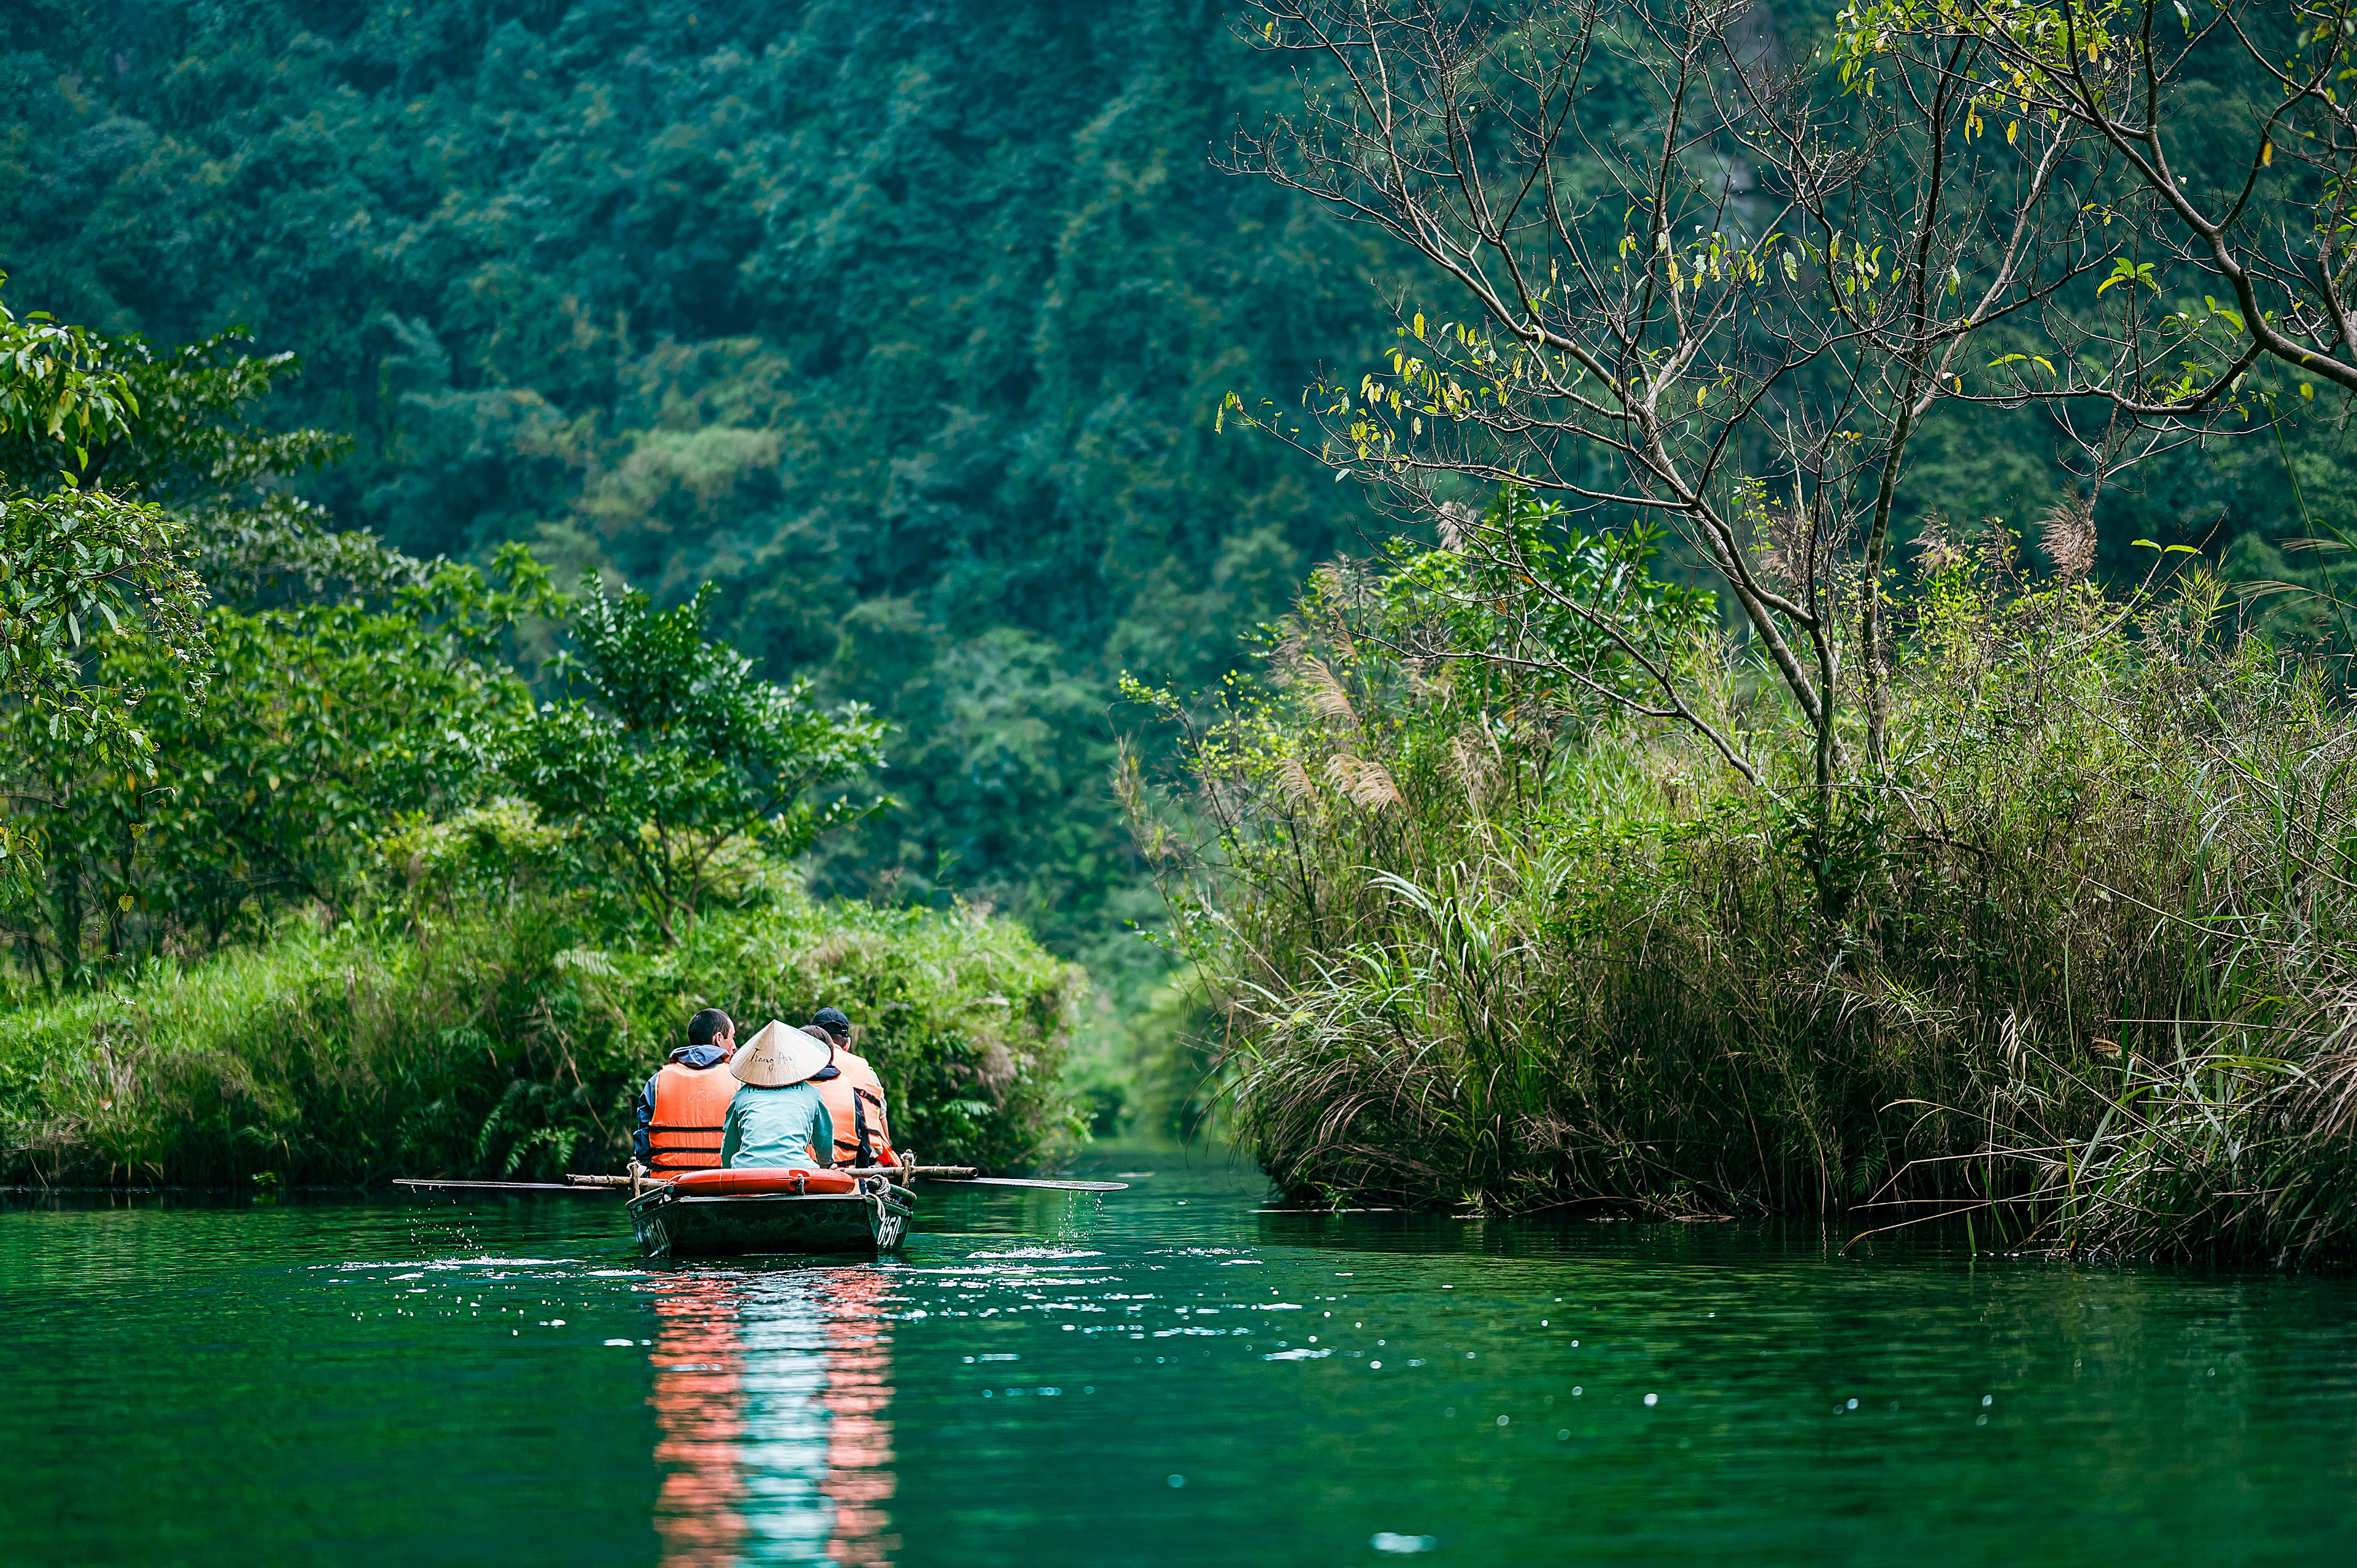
511, 1045
2080, 965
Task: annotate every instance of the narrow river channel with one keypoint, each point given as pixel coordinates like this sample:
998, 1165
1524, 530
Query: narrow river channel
1170, 1375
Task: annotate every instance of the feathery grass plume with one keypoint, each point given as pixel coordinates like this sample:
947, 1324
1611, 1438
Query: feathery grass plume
1322, 691
1935, 551
1781, 539
1284, 659
2068, 532
1364, 783
1457, 520
1294, 783
1473, 751
1998, 554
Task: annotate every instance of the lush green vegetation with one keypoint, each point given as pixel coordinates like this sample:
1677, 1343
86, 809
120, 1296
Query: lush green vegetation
2080, 971
512, 1041
905, 326
887, 354
305, 886
1973, 888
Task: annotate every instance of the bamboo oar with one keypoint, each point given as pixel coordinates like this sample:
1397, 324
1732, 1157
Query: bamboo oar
965, 1176
436, 1185
962, 1174
1030, 1181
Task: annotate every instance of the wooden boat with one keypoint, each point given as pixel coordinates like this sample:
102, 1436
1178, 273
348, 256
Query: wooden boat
741, 1212
698, 1220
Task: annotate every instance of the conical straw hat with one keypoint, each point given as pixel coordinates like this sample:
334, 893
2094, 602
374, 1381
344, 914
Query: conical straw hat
777, 1056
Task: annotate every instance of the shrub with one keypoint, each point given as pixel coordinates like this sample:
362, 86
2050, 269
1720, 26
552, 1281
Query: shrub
512, 1044
2077, 965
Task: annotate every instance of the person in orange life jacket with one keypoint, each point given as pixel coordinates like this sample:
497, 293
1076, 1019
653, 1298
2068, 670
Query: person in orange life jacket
683, 1105
854, 1097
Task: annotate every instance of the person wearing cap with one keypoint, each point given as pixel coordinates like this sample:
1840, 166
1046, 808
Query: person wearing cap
778, 1119
680, 1108
854, 1097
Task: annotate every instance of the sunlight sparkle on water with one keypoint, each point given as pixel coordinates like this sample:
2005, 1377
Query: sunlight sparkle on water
821, 1410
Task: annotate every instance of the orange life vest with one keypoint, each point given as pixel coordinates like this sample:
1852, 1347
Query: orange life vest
854, 1103
691, 1107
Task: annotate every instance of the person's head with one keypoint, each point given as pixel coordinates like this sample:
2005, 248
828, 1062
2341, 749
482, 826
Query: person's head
712, 1027
836, 1024
830, 1070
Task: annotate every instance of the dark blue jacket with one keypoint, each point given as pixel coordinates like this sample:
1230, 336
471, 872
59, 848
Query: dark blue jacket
692, 1055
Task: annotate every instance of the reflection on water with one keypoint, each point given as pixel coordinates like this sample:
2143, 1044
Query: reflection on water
699, 1399
1161, 1378
771, 1397
858, 1397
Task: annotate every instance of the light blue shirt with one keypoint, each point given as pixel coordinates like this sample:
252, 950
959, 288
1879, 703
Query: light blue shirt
777, 1127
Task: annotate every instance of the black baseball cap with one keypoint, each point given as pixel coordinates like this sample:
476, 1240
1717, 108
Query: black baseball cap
834, 1020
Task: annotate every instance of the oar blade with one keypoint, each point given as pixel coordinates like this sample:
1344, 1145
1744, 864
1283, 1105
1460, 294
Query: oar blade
1048, 1185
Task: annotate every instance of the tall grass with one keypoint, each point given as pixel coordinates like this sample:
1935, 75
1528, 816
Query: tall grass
2081, 965
513, 1044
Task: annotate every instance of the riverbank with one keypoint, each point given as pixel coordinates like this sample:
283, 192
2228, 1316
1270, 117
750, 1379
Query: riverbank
511, 1043
2079, 963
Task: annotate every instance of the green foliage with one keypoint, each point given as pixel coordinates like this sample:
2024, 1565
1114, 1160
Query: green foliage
77, 555
907, 327
677, 751
197, 449
1543, 596
74, 563
265, 791
1470, 945
508, 1042
481, 856
57, 393
375, 716
903, 326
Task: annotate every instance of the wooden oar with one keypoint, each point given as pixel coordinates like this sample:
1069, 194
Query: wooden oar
965, 1176
961, 1175
438, 1185
1031, 1181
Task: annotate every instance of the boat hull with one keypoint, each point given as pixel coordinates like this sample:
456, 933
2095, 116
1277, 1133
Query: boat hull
684, 1225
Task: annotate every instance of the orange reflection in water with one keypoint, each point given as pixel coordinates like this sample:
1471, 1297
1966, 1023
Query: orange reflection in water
859, 1439
772, 1394
700, 1422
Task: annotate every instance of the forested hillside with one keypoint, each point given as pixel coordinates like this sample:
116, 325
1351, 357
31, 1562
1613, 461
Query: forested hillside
905, 323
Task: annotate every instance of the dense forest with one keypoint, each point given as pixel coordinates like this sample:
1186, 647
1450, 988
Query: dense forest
905, 326
589, 502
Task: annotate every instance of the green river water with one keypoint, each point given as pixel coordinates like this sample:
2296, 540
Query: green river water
1167, 1375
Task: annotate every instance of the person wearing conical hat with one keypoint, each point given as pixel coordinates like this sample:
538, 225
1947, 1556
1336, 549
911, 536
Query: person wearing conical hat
778, 1119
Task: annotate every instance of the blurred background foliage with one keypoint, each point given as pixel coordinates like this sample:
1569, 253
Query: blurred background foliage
905, 325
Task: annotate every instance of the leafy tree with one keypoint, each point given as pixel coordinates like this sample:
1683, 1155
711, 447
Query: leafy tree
2236, 148
173, 778
195, 449
667, 751
1724, 300
78, 554
326, 724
